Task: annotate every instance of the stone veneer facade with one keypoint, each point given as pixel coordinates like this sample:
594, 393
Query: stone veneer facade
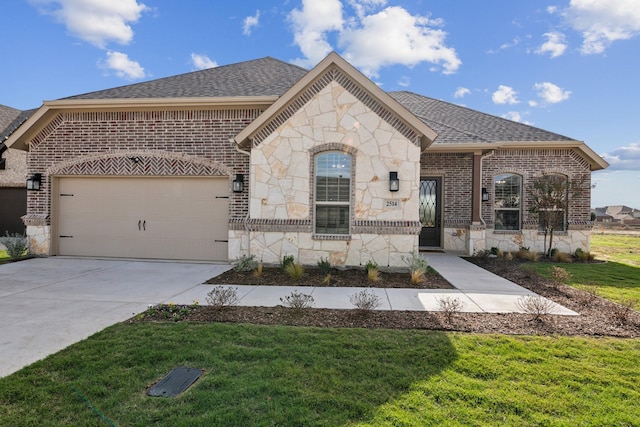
281, 185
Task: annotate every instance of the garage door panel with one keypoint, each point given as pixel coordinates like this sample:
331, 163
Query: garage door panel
162, 218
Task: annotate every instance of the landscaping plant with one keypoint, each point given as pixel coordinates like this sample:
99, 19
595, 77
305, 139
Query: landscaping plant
365, 300
16, 245
297, 301
222, 296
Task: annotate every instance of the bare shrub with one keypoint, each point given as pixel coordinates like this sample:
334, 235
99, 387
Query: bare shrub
449, 306
559, 275
535, 305
588, 295
621, 311
297, 301
221, 296
365, 300
295, 270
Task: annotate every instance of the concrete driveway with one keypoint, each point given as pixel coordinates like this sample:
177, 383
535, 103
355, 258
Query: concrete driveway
48, 304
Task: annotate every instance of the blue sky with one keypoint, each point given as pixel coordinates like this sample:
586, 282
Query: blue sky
570, 67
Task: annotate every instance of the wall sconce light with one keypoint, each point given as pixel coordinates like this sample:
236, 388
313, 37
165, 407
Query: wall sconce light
33, 182
485, 195
238, 183
394, 182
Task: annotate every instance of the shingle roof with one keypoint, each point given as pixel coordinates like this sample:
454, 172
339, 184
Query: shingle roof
456, 124
11, 119
271, 77
260, 77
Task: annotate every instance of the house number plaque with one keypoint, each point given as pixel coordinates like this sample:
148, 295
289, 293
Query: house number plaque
392, 204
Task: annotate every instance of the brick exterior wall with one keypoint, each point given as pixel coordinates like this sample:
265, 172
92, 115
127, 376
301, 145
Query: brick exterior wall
169, 143
534, 163
456, 171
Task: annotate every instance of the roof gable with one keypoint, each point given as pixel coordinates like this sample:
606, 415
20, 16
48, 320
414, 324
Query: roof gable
334, 68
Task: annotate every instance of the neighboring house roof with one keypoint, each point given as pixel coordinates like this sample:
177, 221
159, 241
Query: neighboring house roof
7, 115
260, 77
8, 127
619, 212
264, 82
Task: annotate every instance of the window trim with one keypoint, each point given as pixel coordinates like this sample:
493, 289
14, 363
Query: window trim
348, 204
496, 198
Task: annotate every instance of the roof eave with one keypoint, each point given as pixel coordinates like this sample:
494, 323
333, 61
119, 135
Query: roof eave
41, 117
596, 162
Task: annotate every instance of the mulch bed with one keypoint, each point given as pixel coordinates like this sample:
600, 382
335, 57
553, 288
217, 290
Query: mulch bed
272, 276
598, 316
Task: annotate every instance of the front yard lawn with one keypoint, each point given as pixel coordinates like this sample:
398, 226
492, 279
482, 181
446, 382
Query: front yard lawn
292, 376
615, 281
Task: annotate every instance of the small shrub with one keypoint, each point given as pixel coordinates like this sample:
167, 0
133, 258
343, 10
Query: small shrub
297, 301
495, 250
583, 255
373, 274
563, 257
245, 263
589, 294
259, 270
559, 275
535, 305
327, 280
295, 270
508, 256
532, 256
553, 253
482, 253
16, 245
449, 306
221, 296
370, 265
622, 310
418, 276
324, 266
365, 300
286, 260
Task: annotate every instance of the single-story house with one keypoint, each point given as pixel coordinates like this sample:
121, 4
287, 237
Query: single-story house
13, 174
269, 159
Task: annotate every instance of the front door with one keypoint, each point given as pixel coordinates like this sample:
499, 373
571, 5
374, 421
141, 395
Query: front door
430, 216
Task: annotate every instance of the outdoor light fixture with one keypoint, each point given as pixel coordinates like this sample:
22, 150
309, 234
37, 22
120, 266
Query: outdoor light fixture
394, 182
33, 183
238, 183
485, 195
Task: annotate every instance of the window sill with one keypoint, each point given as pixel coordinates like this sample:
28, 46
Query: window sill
331, 236
507, 231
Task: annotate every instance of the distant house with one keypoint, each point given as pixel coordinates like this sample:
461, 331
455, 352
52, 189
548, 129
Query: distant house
618, 213
13, 174
269, 159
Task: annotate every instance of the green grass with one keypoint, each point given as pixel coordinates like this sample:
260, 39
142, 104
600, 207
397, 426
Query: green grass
617, 247
288, 376
3, 255
618, 279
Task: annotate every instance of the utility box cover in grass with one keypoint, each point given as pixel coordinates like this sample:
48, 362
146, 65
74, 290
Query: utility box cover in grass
175, 382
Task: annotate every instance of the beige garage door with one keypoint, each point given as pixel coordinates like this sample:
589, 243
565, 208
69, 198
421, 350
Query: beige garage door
156, 218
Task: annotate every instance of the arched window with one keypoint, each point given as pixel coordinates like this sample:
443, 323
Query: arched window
332, 193
508, 201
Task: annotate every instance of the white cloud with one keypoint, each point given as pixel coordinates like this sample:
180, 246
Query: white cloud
602, 22
123, 66
250, 22
550, 93
404, 81
201, 62
624, 158
513, 115
505, 95
555, 45
552, 9
533, 103
393, 36
96, 21
460, 92
311, 25
370, 40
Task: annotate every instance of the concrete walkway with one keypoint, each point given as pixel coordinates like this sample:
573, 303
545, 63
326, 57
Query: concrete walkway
48, 304
478, 290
